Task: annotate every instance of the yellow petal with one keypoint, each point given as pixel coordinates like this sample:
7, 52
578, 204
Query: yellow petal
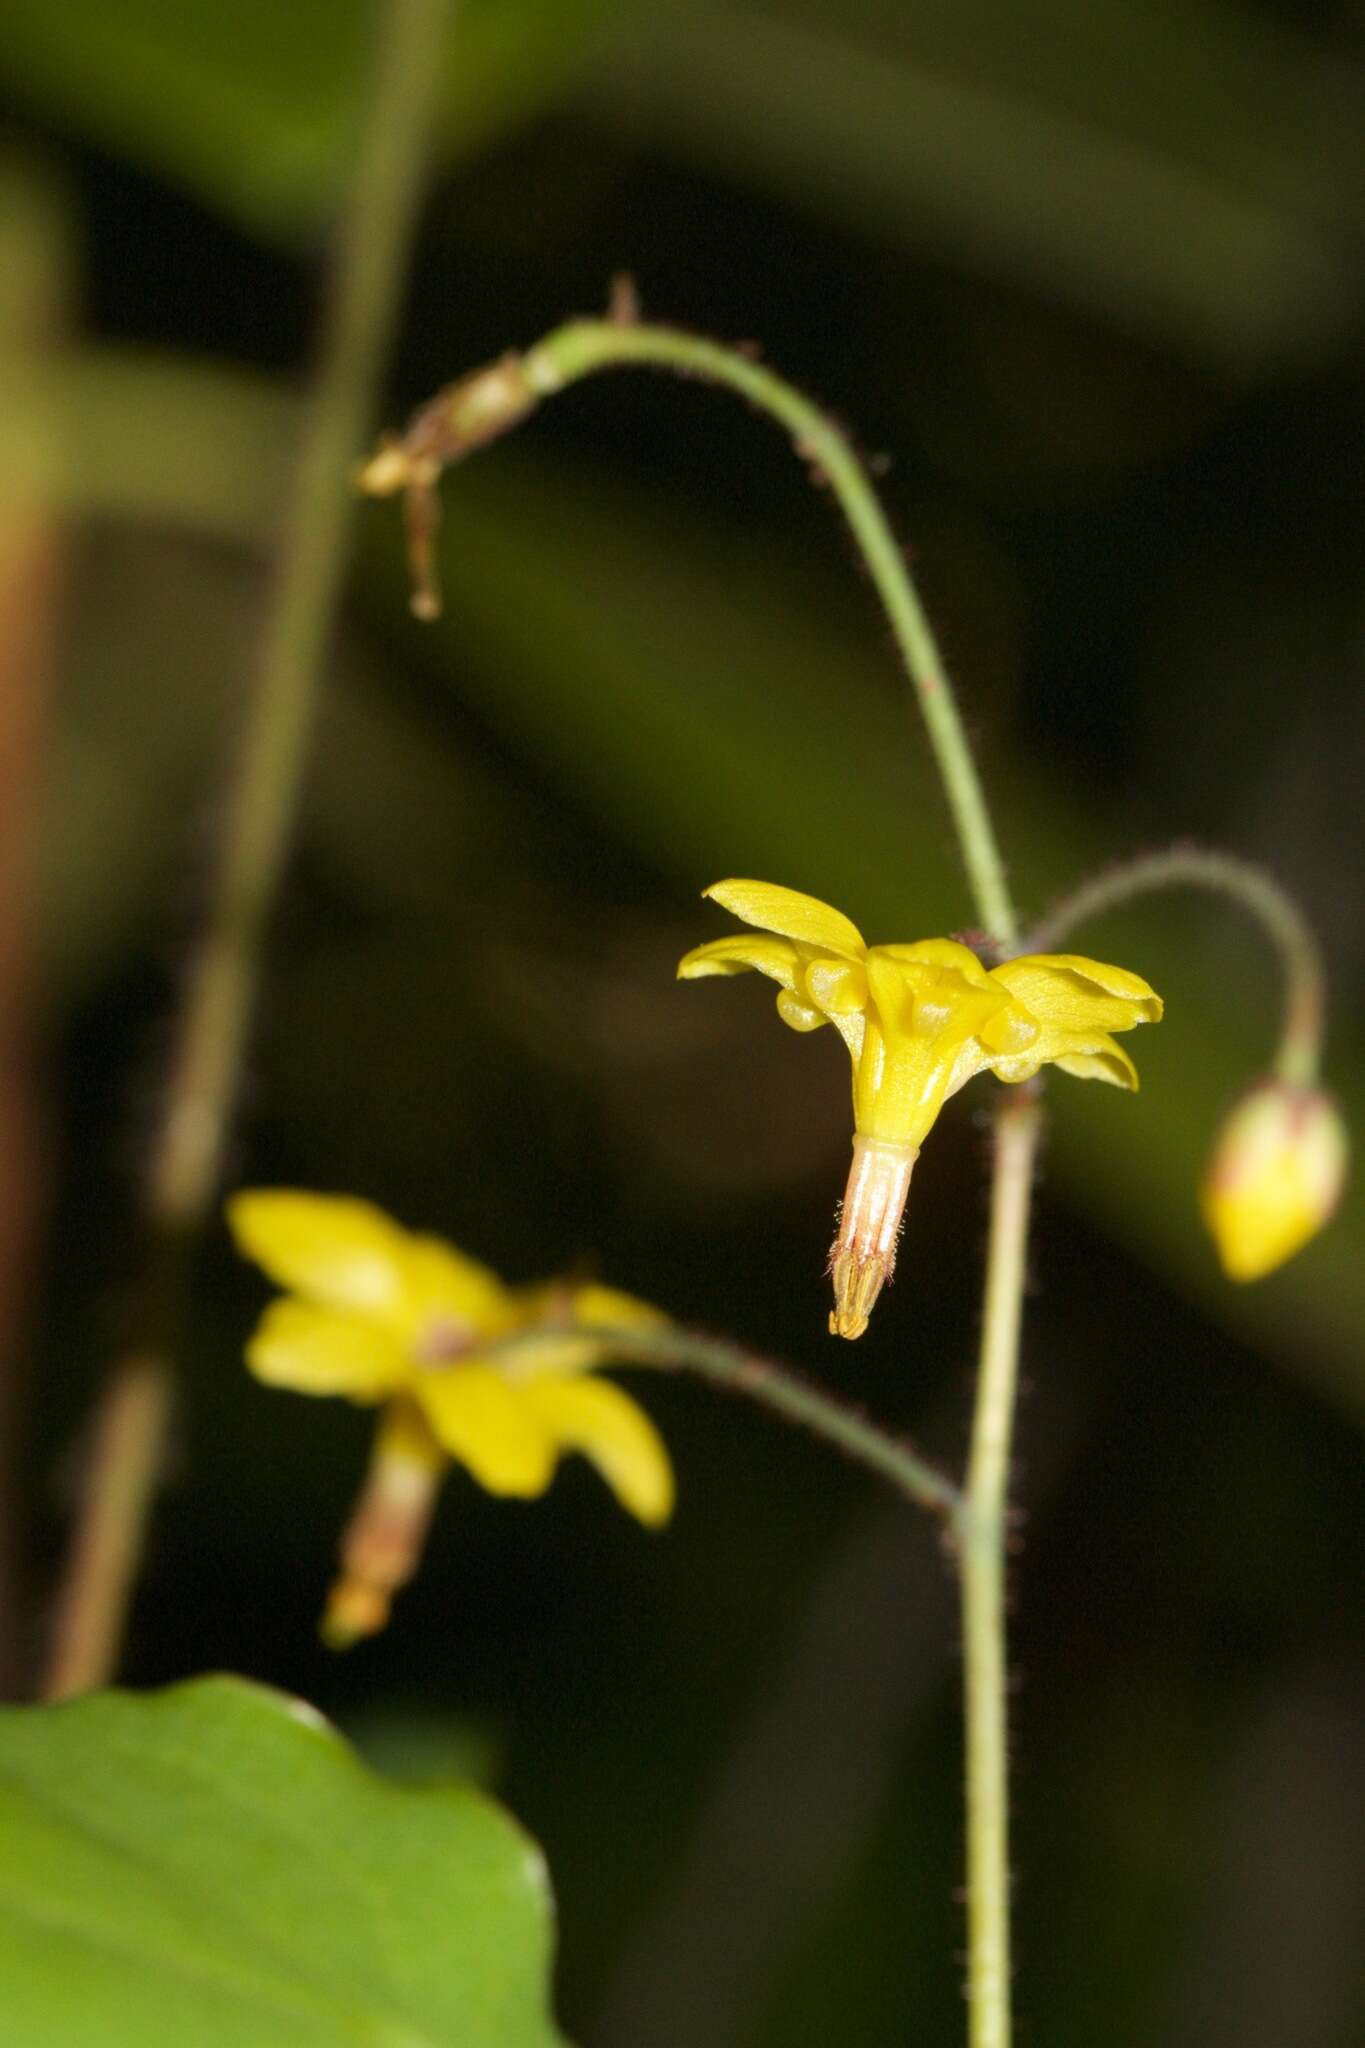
942, 953
798, 1015
596, 1418
1102, 1063
816, 986
447, 1299
332, 1249
921, 1039
490, 1426
792, 967
1088, 1055
787, 911
1078, 994
827, 992
1010, 1030
777, 958
838, 987
325, 1351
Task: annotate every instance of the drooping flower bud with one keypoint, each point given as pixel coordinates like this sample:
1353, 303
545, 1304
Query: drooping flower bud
1275, 1177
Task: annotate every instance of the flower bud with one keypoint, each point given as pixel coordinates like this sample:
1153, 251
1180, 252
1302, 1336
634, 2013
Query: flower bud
1275, 1176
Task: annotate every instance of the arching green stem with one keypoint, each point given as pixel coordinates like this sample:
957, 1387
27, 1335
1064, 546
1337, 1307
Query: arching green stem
489, 402
739, 1371
1224, 874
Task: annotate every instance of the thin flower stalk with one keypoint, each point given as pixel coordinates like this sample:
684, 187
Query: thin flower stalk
982, 1530
491, 401
741, 1371
1279, 1161
1299, 1050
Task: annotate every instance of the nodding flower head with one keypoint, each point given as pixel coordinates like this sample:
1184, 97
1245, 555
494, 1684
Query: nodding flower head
919, 1021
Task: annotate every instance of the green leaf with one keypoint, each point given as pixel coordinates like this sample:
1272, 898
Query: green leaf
213, 1865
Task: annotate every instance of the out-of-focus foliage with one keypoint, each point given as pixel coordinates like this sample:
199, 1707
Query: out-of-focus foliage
1187, 169
253, 106
211, 1864
1234, 233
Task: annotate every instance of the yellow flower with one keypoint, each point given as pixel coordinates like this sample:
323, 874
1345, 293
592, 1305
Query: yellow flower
1275, 1177
384, 1317
919, 1021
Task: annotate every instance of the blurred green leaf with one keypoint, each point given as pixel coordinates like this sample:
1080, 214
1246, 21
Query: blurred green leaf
1187, 171
253, 107
213, 1865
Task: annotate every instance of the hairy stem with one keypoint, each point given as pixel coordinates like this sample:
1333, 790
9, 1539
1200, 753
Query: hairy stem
731, 1366
1223, 874
130, 1429
490, 401
982, 1530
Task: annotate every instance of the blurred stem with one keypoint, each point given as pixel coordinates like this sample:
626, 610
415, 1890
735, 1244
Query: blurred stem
729, 1365
490, 401
371, 258
982, 1527
34, 303
1279, 916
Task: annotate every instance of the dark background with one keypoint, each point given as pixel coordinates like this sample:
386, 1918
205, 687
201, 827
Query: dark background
1090, 277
